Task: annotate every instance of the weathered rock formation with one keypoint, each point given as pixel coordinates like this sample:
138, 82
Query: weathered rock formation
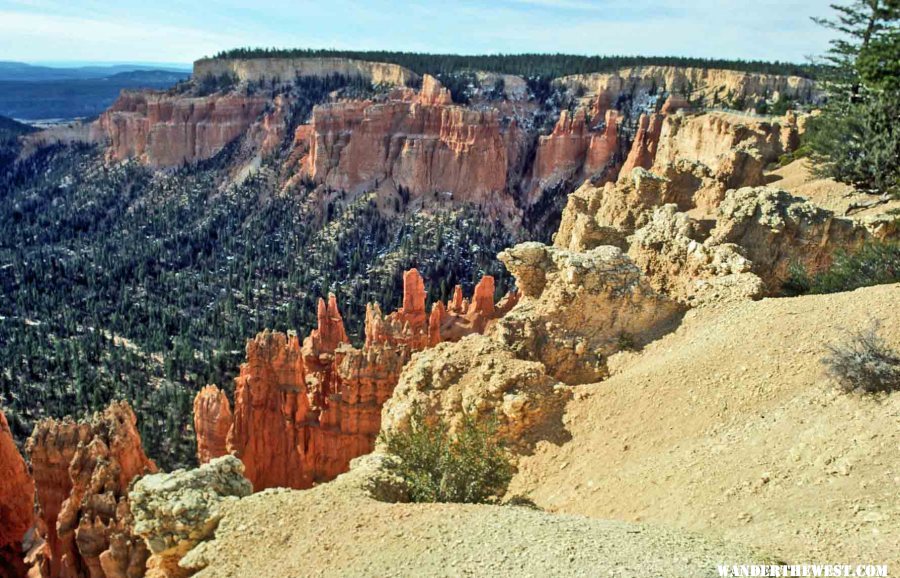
759, 233
302, 412
165, 130
576, 309
212, 420
776, 230
646, 141
16, 503
418, 141
82, 472
671, 251
686, 160
482, 377
174, 512
574, 151
706, 87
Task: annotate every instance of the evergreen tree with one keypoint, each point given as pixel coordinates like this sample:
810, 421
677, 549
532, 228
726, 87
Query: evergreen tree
856, 139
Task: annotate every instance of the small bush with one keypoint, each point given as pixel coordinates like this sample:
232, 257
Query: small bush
864, 362
470, 467
798, 281
872, 264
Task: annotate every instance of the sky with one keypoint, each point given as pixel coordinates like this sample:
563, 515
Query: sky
175, 31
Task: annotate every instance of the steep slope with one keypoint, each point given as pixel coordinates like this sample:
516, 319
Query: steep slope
729, 427
355, 535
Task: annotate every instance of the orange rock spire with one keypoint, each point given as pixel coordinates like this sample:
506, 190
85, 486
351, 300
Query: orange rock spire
302, 413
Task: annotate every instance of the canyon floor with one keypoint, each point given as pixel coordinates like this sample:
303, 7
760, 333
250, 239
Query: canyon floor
727, 429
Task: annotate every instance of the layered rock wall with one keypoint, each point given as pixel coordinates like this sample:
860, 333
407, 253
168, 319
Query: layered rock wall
707, 87
164, 130
421, 143
286, 69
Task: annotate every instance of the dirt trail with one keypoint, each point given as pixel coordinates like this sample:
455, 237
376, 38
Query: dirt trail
730, 427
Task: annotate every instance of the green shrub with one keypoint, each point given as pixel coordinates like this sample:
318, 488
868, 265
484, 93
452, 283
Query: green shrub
873, 264
470, 467
864, 362
798, 281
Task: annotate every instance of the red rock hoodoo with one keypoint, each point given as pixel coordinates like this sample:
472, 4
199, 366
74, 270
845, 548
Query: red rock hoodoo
82, 472
16, 503
646, 141
302, 412
212, 420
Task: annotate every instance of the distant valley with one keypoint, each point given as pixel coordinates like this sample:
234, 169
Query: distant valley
44, 93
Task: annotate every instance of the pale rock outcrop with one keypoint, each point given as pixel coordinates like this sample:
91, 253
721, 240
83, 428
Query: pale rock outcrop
481, 377
174, 512
775, 230
16, 501
577, 308
286, 69
690, 162
759, 234
671, 252
707, 87
82, 472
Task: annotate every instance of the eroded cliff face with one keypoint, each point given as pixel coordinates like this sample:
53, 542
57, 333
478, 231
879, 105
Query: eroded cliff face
286, 69
163, 130
418, 146
707, 87
418, 142
16, 503
82, 471
303, 411
574, 151
689, 160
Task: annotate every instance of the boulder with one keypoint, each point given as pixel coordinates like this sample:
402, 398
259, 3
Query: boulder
175, 512
577, 309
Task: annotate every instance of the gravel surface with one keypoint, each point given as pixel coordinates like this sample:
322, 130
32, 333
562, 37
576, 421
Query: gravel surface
330, 531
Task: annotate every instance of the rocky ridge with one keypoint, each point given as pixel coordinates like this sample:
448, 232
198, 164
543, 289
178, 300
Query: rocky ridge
286, 69
416, 146
302, 411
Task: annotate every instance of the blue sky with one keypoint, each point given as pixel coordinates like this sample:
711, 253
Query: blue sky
182, 31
